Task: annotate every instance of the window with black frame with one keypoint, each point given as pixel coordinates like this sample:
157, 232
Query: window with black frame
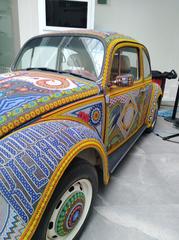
70, 14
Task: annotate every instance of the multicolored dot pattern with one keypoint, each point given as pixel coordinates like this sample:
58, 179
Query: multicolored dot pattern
70, 213
38, 96
29, 157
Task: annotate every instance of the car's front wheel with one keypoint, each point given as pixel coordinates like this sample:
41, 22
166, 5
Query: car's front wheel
70, 205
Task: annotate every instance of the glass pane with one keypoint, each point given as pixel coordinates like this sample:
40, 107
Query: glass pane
147, 70
26, 59
95, 50
129, 61
80, 55
66, 13
45, 57
126, 61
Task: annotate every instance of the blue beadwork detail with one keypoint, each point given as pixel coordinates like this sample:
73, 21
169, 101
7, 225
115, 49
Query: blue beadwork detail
90, 110
96, 109
29, 157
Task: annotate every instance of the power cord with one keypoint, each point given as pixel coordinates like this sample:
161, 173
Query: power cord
166, 138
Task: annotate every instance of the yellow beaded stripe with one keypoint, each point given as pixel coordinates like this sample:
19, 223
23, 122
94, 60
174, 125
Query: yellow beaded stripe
29, 116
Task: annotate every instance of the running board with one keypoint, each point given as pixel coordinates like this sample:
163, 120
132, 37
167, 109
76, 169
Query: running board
116, 157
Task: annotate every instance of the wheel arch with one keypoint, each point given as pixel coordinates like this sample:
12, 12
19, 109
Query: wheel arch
79, 150
93, 157
33, 160
156, 97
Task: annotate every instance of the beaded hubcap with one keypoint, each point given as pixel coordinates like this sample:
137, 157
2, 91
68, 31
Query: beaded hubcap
71, 211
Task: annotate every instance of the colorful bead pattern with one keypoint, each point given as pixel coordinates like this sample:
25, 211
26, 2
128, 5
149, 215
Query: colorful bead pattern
153, 103
92, 114
70, 213
29, 157
26, 96
114, 36
57, 174
146, 101
96, 115
124, 117
11, 226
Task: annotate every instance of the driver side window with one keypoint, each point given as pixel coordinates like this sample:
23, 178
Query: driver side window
126, 61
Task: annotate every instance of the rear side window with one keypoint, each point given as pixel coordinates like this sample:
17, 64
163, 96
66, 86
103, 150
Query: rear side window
147, 68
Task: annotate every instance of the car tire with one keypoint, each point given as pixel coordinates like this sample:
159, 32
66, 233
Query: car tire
150, 129
70, 205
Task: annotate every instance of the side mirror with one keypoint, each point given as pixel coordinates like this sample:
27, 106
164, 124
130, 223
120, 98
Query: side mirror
125, 80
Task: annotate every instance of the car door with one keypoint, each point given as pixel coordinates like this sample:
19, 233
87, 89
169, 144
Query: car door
124, 104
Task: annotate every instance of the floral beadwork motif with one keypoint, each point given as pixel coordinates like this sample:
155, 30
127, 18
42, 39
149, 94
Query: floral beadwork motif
92, 114
70, 213
96, 115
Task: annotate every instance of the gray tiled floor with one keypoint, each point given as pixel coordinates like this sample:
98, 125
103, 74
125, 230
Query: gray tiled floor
142, 200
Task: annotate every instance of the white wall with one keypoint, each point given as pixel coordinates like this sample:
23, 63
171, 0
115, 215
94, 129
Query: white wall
28, 19
9, 32
152, 22
15, 19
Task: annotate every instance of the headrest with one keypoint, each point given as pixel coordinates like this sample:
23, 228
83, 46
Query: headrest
115, 65
74, 60
124, 64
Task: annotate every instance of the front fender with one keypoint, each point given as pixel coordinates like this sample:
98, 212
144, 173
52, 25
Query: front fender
156, 93
32, 161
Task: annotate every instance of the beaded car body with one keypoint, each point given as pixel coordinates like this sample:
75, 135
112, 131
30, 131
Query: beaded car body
48, 119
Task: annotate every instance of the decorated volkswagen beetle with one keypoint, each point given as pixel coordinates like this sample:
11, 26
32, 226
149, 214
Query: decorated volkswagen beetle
72, 106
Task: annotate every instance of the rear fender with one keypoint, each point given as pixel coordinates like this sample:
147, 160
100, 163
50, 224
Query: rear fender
156, 93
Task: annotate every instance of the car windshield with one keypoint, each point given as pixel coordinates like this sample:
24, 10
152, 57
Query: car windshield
82, 56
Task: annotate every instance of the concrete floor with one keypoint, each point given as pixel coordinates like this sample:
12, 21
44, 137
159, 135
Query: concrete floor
142, 200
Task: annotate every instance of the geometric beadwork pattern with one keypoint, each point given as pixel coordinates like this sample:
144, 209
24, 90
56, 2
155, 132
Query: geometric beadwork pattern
153, 104
29, 157
124, 116
70, 213
91, 114
147, 98
11, 226
26, 95
127, 117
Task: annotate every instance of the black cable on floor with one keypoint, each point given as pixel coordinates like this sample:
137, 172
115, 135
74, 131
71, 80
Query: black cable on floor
165, 138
